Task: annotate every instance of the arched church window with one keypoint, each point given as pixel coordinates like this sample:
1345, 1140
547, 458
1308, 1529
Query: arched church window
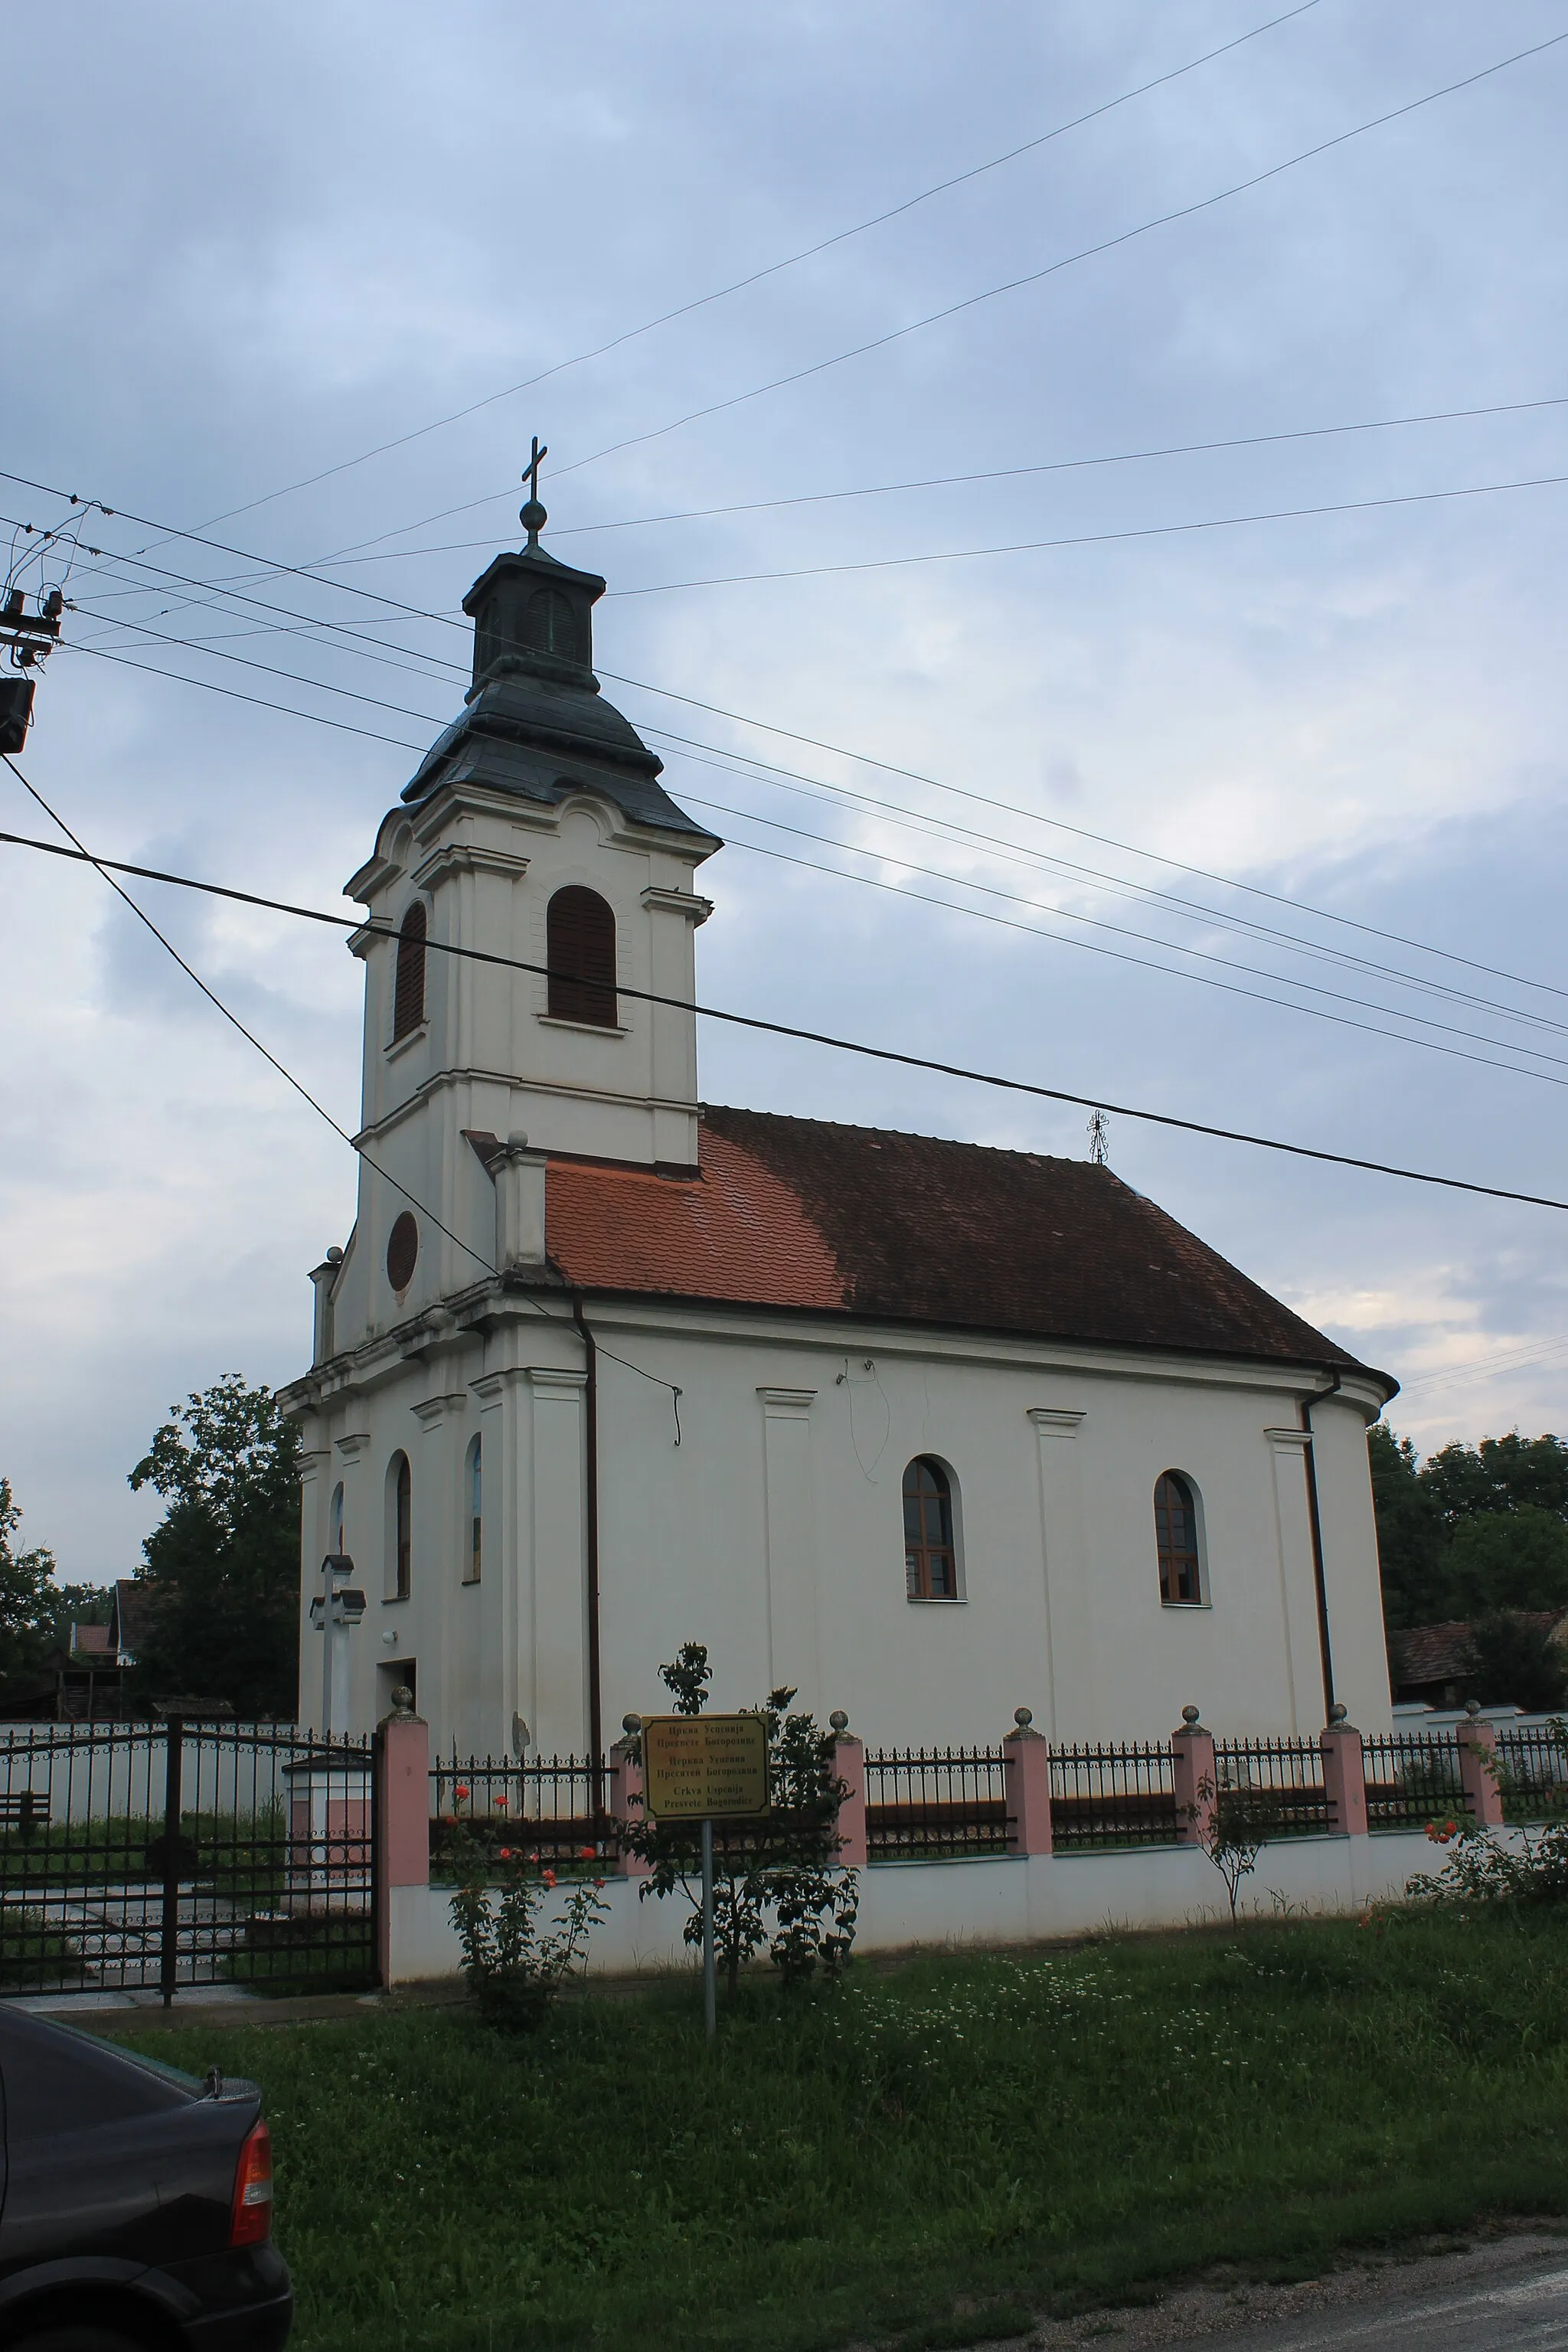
335, 1519
581, 954
400, 1527
930, 1556
549, 623
409, 994
1176, 1540
476, 1515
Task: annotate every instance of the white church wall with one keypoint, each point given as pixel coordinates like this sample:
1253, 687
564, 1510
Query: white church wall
774, 1533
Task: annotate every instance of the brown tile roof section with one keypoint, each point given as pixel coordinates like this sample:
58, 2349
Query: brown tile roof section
1437, 1653
796, 1213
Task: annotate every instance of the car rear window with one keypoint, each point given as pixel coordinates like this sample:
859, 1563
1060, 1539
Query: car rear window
58, 2080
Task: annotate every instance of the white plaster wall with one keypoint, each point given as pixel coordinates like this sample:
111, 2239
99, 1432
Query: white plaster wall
773, 1532
972, 1905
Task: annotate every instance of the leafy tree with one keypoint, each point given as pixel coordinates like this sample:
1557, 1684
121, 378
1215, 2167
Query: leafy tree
1512, 1664
1509, 1560
224, 1564
29, 1596
1502, 1473
1410, 1535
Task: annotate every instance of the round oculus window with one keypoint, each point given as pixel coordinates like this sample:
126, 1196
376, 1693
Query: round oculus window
403, 1251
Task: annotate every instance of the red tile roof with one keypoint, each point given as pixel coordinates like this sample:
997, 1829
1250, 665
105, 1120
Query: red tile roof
794, 1213
1420, 1654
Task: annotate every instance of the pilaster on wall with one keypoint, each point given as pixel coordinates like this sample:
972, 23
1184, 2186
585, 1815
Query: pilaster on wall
436, 1476
560, 1632
498, 1643
1071, 1678
315, 1492
790, 1541
1303, 1676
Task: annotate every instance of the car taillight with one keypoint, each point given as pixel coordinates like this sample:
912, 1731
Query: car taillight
250, 2216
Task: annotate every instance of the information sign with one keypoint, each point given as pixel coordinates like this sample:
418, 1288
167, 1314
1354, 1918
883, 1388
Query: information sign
704, 1767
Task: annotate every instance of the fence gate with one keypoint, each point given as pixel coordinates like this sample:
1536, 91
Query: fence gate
150, 1858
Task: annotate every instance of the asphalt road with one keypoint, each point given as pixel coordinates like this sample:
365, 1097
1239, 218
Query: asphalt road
1526, 2312
1504, 2293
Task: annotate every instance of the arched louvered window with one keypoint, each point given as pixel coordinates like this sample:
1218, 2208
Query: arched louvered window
931, 1557
400, 1483
549, 623
335, 1520
1176, 1540
581, 952
408, 996
475, 1514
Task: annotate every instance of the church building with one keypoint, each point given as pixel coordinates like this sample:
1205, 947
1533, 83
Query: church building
927, 1431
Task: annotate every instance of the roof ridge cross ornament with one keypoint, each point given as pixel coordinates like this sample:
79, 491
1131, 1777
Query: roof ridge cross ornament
531, 515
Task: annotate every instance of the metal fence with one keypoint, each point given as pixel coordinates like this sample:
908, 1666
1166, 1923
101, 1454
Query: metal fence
147, 1858
1532, 1771
1276, 1783
927, 1804
1120, 1794
1412, 1777
551, 1810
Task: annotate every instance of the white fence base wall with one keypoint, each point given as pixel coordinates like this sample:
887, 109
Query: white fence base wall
959, 1905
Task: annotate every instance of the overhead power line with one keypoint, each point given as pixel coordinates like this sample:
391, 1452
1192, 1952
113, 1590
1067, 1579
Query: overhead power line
1067, 261
1096, 538
772, 269
756, 1022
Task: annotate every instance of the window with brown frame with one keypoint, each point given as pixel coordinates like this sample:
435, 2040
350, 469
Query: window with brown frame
581, 952
408, 993
403, 1527
1176, 1542
930, 1560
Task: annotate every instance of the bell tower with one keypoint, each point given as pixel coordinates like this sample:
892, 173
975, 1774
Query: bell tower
535, 831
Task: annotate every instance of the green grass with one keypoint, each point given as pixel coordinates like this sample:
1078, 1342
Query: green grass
33, 1952
923, 2156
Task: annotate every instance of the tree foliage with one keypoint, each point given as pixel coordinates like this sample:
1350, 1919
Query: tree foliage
36, 1611
1472, 1530
224, 1563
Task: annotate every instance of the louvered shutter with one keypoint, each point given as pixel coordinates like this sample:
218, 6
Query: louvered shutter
581, 958
408, 996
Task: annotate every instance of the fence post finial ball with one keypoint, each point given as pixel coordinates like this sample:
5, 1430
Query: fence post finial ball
1339, 1712
839, 1721
631, 1725
1472, 1707
402, 1700
1023, 1716
1189, 1715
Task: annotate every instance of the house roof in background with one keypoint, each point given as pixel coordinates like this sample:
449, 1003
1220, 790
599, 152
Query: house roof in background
1439, 1654
798, 1212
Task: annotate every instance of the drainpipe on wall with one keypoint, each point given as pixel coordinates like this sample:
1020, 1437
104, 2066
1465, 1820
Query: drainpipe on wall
1315, 1521
591, 1448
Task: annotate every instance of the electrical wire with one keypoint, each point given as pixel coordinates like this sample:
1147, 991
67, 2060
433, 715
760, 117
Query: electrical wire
1507, 1359
1094, 539
811, 1037
772, 269
1058, 914
108, 868
1067, 261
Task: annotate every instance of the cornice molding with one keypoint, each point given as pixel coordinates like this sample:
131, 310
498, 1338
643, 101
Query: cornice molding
1055, 1420
454, 857
688, 903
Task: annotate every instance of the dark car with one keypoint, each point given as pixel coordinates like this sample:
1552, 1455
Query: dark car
135, 2203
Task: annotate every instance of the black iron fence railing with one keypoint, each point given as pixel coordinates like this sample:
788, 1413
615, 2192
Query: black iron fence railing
138, 1857
552, 1811
1122, 1793
1412, 1779
1532, 1766
1278, 1785
924, 1804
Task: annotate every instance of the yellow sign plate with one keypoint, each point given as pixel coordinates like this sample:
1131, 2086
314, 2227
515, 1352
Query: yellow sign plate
704, 1767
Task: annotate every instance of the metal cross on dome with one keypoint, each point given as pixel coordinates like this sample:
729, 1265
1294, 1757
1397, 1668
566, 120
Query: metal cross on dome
531, 515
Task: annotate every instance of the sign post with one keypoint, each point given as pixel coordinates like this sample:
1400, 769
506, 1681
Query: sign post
705, 1767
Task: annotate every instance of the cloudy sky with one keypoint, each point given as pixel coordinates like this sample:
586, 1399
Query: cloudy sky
244, 248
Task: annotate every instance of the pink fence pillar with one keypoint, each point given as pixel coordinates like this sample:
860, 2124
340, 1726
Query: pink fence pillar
1026, 1781
626, 1793
849, 1766
403, 1812
1478, 1771
1344, 1777
1193, 1777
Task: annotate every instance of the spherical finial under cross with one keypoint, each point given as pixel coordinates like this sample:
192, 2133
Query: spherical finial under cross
533, 517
